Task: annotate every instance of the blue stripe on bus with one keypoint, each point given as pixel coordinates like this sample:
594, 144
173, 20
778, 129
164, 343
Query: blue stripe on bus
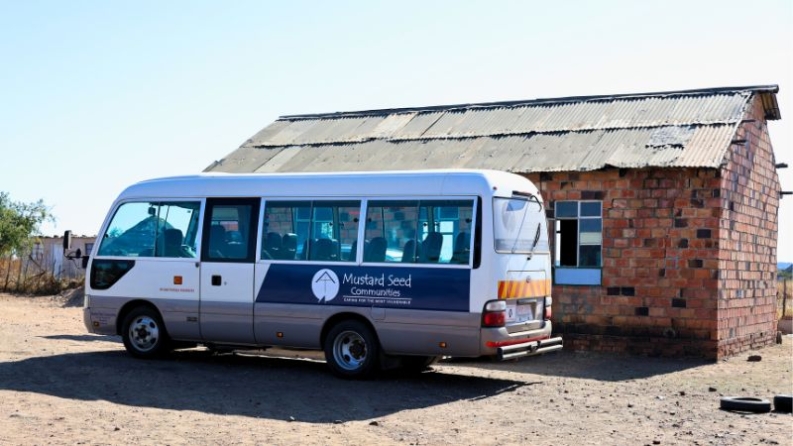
411, 288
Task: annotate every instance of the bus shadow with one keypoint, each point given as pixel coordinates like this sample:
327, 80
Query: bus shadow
587, 365
254, 386
84, 338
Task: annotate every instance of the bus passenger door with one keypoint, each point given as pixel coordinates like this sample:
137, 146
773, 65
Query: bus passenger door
228, 252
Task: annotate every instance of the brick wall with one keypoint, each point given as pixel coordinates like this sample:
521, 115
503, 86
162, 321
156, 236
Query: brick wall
689, 256
748, 239
660, 273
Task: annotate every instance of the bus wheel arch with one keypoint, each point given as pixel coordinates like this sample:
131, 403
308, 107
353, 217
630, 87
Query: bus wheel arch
351, 346
124, 311
143, 331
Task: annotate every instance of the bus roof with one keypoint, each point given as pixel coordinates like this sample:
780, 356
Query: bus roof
334, 184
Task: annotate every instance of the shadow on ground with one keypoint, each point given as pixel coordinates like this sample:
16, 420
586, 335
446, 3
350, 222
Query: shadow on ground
84, 338
587, 365
255, 386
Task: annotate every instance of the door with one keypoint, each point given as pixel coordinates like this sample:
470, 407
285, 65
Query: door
228, 253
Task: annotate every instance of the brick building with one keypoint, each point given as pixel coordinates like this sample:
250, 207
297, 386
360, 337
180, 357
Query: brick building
663, 205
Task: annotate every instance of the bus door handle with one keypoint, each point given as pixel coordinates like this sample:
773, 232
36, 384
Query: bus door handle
216, 280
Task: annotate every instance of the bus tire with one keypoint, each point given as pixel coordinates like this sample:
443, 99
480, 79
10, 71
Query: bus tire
352, 350
144, 333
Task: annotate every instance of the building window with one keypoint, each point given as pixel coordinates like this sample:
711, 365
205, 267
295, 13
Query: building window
578, 242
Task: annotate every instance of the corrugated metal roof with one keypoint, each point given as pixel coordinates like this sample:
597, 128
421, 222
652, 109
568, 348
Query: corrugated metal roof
692, 128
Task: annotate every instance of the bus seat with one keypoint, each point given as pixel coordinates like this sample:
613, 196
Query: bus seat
217, 241
412, 252
375, 252
237, 249
353, 250
272, 246
321, 249
172, 243
234, 237
462, 247
289, 246
431, 247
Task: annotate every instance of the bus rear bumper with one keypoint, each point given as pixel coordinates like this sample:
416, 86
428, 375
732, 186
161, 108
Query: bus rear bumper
530, 348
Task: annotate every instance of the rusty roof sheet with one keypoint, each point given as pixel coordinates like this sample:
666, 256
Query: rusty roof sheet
674, 129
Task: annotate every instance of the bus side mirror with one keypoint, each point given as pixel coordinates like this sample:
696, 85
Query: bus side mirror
67, 240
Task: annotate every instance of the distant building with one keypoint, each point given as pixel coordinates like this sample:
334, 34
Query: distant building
664, 205
48, 255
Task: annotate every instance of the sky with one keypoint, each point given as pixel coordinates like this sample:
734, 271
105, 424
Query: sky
97, 95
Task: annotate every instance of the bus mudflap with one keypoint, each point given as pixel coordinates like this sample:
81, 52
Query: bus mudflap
529, 348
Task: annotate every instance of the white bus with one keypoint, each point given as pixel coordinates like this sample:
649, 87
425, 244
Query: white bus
379, 270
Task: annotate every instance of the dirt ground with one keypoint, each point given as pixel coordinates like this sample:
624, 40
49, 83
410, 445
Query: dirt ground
60, 385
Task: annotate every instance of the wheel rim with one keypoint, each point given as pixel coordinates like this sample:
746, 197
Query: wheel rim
349, 350
144, 333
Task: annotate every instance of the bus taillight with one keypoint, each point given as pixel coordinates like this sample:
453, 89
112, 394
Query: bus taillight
548, 310
495, 314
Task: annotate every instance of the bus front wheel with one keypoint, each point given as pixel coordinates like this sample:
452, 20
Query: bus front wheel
352, 350
144, 334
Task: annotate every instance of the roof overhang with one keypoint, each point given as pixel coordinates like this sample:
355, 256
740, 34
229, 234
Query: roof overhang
770, 104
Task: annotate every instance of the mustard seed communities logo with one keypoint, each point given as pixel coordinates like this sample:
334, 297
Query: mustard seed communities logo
325, 285
377, 289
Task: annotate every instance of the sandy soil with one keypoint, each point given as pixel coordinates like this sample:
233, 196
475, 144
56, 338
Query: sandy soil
59, 385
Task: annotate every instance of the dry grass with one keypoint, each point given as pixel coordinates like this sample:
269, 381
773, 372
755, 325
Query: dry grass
784, 306
19, 278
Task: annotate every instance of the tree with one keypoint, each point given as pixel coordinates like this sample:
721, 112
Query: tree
19, 222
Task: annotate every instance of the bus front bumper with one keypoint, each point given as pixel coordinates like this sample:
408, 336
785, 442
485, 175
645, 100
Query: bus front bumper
98, 323
530, 348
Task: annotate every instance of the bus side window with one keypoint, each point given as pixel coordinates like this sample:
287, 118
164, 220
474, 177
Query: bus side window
324, 231
445, 231
390, 227
231, 234
288, 220
419, 231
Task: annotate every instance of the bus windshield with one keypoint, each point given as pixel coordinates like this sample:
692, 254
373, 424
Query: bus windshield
519, 223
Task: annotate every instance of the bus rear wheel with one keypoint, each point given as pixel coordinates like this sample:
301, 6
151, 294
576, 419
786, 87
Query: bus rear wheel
144, 334
352, 350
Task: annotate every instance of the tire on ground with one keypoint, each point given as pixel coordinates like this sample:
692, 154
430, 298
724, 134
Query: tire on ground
782, 403
745, 404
